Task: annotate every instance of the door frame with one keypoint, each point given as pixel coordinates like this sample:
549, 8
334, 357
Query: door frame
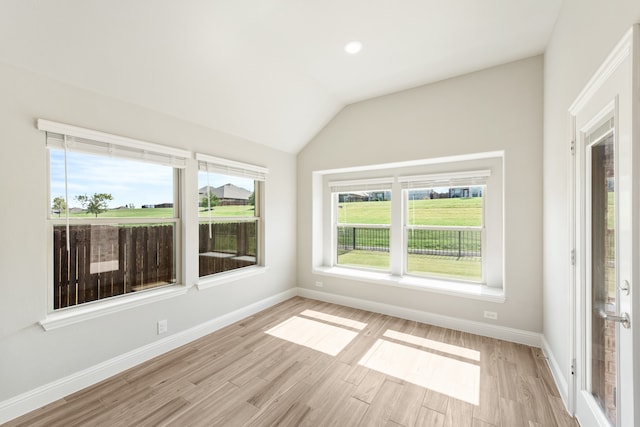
627, 48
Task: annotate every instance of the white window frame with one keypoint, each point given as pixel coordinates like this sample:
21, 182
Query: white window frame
475, 178
74, 138
492, 287
213, 164
337, 187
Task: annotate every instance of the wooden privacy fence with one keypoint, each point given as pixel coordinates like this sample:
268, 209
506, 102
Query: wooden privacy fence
232, 245
110, 260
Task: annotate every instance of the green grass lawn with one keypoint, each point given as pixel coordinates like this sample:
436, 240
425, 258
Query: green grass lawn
222, 211
126, 213
437, 266
438, 212
368, 259
218, 211
446, 212
364, 213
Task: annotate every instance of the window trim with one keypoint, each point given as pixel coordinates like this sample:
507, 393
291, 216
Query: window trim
338, 187
471, 178
211, 164
494, 286
118, 146
151, 152
428, 284
224, 277
95, 309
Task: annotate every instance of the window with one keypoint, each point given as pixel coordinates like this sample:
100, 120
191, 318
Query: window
435, 224
444, 224
362, 212
230, 215
114, 216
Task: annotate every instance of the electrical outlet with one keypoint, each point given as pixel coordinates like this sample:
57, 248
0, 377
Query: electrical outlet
491, 315
319, 284
162, 326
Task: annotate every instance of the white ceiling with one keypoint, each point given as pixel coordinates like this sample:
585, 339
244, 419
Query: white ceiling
271, 71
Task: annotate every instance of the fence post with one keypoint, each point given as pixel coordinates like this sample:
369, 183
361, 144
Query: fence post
459, 244
354, 238
241, 238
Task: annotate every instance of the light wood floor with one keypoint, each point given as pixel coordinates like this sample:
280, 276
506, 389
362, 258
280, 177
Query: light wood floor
308, 363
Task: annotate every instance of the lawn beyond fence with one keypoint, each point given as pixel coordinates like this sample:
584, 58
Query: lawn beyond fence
455, 212
433, 251
469, 268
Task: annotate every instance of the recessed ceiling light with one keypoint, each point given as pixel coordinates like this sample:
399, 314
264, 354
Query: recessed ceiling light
353, 47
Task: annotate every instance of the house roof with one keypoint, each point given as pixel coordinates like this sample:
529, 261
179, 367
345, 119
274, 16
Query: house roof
273, 72
227, 191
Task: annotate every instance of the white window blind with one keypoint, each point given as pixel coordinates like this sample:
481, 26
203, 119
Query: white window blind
212, 164
72, 138
453, 179
374, 184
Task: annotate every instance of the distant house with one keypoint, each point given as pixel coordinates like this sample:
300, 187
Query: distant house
228, 194
465, 192
364, 196
354, 196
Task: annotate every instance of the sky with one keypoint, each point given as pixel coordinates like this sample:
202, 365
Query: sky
128, 181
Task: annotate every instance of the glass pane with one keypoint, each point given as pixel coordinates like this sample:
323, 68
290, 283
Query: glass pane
446, 206
225, 195
228, 227
603, 276
227, 245
364, 219
109, 260
110, 187
441, 240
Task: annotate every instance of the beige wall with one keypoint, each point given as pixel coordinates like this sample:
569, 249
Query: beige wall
31, 357
499, 109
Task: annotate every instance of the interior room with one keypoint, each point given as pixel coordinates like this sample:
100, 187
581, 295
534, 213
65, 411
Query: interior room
320, 213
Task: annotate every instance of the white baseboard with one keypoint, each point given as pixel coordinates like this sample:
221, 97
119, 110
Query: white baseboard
34, 399
500, 332
556, 373
31, 400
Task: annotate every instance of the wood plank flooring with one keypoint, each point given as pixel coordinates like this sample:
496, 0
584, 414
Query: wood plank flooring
309, 363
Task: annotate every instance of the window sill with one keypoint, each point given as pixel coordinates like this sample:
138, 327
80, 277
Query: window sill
70, 316
229, 276
441, 286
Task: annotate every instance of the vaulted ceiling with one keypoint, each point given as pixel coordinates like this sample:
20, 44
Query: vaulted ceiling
271, 71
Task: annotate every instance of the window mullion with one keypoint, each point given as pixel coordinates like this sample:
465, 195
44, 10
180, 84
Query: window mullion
334, 229
396, 255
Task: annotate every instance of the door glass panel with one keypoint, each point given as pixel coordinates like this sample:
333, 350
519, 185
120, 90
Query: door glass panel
603, 274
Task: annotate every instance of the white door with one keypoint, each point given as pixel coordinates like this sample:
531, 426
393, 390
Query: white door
607, 234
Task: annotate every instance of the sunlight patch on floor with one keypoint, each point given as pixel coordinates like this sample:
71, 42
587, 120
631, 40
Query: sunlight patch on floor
455, 350
446, 375
334, 319
319, 336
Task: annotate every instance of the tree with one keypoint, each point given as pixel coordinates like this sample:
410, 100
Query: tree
213, 201
252, 199
95, 204
59, 204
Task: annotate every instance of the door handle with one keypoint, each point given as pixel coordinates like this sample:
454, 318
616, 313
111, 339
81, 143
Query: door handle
623, 318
